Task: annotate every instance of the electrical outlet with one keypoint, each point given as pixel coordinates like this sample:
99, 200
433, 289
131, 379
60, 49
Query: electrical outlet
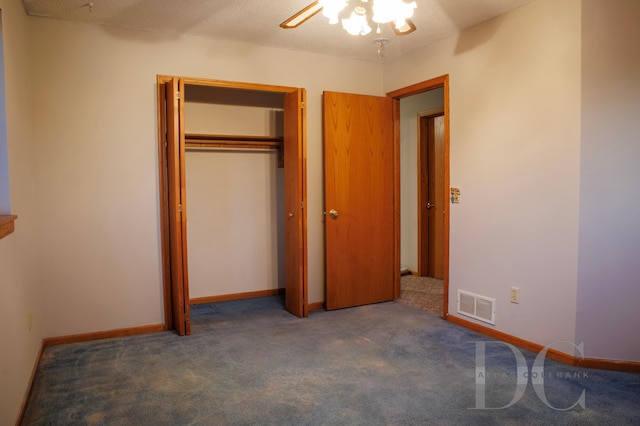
29, 320
515, 295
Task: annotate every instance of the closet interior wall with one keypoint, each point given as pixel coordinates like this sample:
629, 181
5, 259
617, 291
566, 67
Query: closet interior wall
235, 196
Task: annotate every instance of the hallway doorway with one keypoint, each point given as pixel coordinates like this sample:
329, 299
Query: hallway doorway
411, 103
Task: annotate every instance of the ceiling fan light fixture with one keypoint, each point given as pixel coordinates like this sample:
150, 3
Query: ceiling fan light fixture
357, 23
385, 11
302, 16
405, 10
331, 9
395, 12
404, 27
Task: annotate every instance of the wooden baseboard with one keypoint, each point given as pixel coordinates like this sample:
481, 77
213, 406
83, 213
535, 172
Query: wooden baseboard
32, 378
318, 306
236, 296
609, 364
85, 337
565, 358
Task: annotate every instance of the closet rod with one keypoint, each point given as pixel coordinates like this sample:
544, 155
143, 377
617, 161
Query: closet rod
193, 140
233, 144
243, 138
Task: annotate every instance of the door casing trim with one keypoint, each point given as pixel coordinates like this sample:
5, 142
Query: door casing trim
396, 95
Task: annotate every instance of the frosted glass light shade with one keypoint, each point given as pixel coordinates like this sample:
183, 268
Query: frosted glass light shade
331, 9
357, 23
392, 10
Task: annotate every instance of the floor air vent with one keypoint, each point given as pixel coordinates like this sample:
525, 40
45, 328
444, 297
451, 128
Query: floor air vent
478, 307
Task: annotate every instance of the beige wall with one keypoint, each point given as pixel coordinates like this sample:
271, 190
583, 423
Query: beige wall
235, 239
5, 199
515, 146
19, 290
95, 111
609, 271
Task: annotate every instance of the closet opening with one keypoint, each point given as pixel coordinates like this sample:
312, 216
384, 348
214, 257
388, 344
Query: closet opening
235, 193
232, 161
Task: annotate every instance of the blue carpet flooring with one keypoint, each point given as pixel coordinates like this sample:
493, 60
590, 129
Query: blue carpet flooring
251, 363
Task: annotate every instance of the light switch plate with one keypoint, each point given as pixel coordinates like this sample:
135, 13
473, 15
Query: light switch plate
455, 195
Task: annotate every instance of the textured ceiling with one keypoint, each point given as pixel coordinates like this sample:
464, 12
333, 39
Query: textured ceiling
257, 21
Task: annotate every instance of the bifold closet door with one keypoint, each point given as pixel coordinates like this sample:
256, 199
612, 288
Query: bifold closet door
295, 203
175, 146
174, 217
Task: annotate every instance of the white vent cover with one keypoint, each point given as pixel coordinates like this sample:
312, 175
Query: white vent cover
478, 307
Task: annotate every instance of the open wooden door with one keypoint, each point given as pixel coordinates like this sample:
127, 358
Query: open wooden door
295, 203
431, 194
177, 206
359, 199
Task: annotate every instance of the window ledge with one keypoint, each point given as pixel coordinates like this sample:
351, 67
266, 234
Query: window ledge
6, 225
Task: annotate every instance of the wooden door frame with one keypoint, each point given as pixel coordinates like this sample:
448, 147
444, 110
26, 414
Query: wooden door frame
421, 148
164, 188
396, 95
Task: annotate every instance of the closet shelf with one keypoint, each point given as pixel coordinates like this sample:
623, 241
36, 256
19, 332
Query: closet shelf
194, 140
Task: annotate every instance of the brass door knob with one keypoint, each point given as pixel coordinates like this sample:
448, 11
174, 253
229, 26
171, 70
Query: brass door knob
333, 213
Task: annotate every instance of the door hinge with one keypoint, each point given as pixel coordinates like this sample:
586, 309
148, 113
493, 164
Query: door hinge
302, 105
180, 208
177, 95
302, 204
